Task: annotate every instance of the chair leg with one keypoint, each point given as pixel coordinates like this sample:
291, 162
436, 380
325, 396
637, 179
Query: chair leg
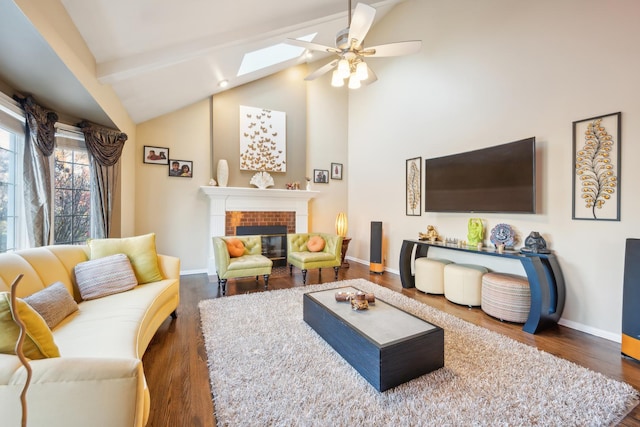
336, 269
304, 277
174, 314
290, 269
224, 286
266, 281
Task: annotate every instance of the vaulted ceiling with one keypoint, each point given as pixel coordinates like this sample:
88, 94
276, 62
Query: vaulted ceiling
161, 55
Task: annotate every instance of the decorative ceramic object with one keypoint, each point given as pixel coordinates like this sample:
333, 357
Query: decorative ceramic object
261, 180
212, 182
535, 243
503, 234
360, 301
475, 231
500, 247
223, 173
308, 185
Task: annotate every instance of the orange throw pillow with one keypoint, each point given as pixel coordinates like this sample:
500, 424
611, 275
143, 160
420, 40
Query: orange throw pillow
315, 244
235, 247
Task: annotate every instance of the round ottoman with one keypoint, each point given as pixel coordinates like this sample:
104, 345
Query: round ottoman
430, 274
463, 283
506, 296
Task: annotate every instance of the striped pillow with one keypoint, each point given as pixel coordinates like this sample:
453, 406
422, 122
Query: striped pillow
101, 277
53, 303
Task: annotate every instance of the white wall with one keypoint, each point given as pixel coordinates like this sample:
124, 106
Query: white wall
493, 72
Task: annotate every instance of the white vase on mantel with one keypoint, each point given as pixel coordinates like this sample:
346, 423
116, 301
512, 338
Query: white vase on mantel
223, 173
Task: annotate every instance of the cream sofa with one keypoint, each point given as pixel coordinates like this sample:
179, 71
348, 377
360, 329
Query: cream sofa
98, 379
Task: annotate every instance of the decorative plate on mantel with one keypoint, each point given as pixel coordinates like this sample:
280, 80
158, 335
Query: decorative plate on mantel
502, 234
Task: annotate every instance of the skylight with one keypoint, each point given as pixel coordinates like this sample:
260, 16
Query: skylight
263, 58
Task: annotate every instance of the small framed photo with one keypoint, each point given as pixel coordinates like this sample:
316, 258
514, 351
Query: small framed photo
156, 155
321, 176
181, 168
336, 170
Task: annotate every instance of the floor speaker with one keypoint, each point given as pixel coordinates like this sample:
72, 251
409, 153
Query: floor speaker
631, 300
375, 255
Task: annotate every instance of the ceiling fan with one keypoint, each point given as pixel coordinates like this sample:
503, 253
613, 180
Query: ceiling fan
351, 52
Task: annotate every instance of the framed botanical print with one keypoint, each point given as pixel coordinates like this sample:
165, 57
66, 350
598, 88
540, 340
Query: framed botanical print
414, 187
596, 168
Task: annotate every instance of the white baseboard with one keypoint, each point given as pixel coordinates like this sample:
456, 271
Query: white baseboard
591, 331
190, 272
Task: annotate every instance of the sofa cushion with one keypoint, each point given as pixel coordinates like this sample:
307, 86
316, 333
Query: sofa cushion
141, 251
53, 303
38, 342
235, 247
105, 276
315, 244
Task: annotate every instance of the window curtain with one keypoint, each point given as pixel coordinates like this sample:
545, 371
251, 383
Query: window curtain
105, 148
40, 142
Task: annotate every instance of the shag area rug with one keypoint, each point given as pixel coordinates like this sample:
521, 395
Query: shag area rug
269, 368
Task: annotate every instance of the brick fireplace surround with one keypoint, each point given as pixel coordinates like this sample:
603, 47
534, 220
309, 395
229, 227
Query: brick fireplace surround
228, 205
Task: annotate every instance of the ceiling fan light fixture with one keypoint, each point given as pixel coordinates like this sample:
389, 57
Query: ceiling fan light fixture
354, 81
336, 80
344, 69
362, 71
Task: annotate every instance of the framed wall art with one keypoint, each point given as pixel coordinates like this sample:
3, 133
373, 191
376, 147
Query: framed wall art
336, 170
414, 187
181, 168
596, 168
321, 176
155, 155
263, 142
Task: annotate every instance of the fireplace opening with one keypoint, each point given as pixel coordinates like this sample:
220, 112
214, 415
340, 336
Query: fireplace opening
274, 241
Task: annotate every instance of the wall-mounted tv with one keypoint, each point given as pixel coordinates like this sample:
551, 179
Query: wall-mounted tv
501, 178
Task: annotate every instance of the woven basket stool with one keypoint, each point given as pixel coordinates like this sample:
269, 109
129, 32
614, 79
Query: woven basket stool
463, 283
506, 296
430, 275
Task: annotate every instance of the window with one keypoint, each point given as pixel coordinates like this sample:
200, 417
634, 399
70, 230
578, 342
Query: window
72, 193
8, 193
12, 230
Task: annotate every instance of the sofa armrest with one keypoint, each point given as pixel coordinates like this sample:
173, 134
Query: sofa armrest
169, 266
77, 392
221, 255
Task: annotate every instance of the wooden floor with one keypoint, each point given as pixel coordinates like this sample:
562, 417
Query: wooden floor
175, 363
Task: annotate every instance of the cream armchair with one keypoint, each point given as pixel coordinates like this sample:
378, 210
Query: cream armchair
299, 255
251, 263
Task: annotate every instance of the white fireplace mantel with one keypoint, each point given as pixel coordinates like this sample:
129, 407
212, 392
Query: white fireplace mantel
231, 199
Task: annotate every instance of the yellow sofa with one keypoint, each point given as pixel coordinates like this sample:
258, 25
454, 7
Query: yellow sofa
299, 255
98, 378
250, 263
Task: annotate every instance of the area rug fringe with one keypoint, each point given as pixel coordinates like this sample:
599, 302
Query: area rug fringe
269, 368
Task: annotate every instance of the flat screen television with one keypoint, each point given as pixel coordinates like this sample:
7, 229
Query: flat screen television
501, 178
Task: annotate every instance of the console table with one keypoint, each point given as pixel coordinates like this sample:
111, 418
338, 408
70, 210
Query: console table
543, 272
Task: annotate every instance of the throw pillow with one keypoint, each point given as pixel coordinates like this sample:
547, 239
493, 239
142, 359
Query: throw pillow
53, 303
141, 251
235, 247
315, 244
38, 341
101, 277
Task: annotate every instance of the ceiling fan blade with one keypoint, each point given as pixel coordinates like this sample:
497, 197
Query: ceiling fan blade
322, 70
360, 23
312, 46
393, 49
372, 77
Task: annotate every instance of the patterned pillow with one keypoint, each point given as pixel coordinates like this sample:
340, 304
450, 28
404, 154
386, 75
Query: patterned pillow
105, 276
53, 303
38, 342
